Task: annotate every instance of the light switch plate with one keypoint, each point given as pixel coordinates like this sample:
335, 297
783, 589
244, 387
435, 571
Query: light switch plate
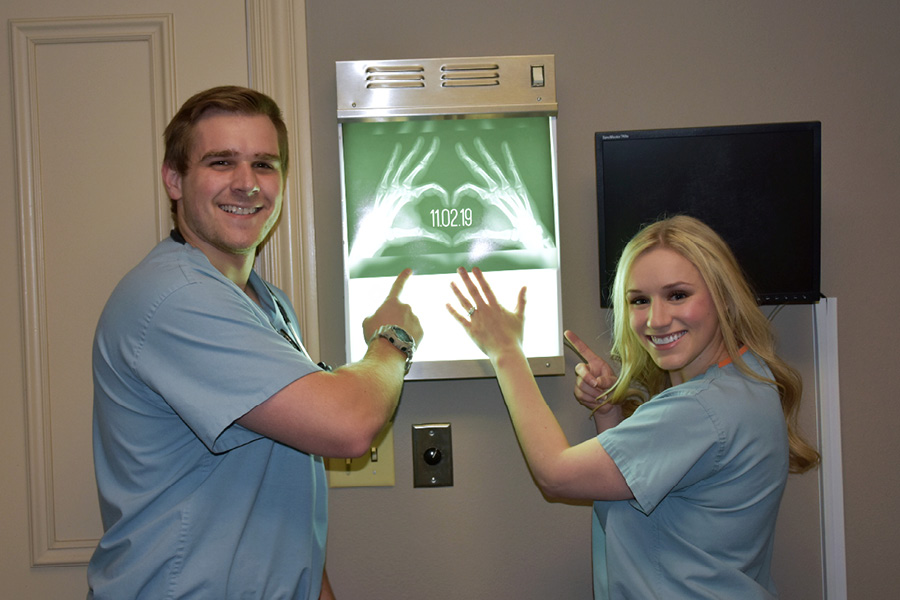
432, 455
373, 469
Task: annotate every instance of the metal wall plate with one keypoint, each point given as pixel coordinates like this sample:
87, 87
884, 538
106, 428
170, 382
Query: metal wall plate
432, 455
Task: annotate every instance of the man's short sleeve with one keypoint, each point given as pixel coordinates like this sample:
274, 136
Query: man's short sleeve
214, 356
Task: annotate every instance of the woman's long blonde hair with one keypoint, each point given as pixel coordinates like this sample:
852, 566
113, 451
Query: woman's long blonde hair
741, 322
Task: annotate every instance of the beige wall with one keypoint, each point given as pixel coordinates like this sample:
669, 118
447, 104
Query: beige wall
94, 82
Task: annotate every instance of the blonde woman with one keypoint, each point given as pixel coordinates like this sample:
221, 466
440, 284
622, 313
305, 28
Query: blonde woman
696, 433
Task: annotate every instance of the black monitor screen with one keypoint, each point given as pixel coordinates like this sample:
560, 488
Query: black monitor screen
758, 186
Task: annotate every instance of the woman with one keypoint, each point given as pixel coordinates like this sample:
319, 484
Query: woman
696, 434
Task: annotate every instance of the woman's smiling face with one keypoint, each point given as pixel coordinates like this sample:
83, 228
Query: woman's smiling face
673, 314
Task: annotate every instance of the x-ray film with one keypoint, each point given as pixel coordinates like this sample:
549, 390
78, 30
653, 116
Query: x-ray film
474, 192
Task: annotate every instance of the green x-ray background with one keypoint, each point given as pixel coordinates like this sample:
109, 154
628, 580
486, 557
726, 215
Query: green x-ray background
367, 148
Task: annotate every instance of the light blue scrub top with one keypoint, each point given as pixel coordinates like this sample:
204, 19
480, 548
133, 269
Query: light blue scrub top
193, 505
707, 462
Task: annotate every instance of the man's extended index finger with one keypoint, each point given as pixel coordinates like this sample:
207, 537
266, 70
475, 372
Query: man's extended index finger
397, 287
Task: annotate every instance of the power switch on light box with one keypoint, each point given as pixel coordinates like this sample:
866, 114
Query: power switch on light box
432, 455
375, 468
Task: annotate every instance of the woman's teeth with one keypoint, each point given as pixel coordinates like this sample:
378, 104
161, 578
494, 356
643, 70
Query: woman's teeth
668, 339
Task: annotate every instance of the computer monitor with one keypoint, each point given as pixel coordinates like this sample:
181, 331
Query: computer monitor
758, 186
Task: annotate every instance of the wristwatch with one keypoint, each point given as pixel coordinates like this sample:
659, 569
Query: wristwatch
400, 339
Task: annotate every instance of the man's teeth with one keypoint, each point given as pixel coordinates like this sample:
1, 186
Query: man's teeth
239, 210
661, 341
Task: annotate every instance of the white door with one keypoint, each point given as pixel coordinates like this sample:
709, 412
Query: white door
88, 87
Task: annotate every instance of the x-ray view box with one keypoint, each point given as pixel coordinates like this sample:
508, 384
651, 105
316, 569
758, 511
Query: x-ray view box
445, 163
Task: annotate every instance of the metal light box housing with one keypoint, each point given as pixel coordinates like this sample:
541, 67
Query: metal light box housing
441, 89
448, 87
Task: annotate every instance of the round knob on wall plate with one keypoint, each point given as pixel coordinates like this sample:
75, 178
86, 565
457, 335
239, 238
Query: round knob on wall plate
432, 456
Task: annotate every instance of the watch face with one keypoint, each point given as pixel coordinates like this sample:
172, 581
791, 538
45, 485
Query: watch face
402, 335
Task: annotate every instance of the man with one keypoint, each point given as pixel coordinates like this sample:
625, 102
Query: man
209, 417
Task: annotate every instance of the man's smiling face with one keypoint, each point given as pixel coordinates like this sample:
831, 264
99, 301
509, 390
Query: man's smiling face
229, 199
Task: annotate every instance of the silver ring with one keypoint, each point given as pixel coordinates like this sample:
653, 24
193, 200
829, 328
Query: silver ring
471, 311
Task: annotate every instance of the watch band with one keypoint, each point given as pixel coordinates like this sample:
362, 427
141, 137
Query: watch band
400, 339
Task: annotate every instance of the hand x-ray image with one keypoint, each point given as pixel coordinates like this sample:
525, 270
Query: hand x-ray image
436, 194
449, 192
